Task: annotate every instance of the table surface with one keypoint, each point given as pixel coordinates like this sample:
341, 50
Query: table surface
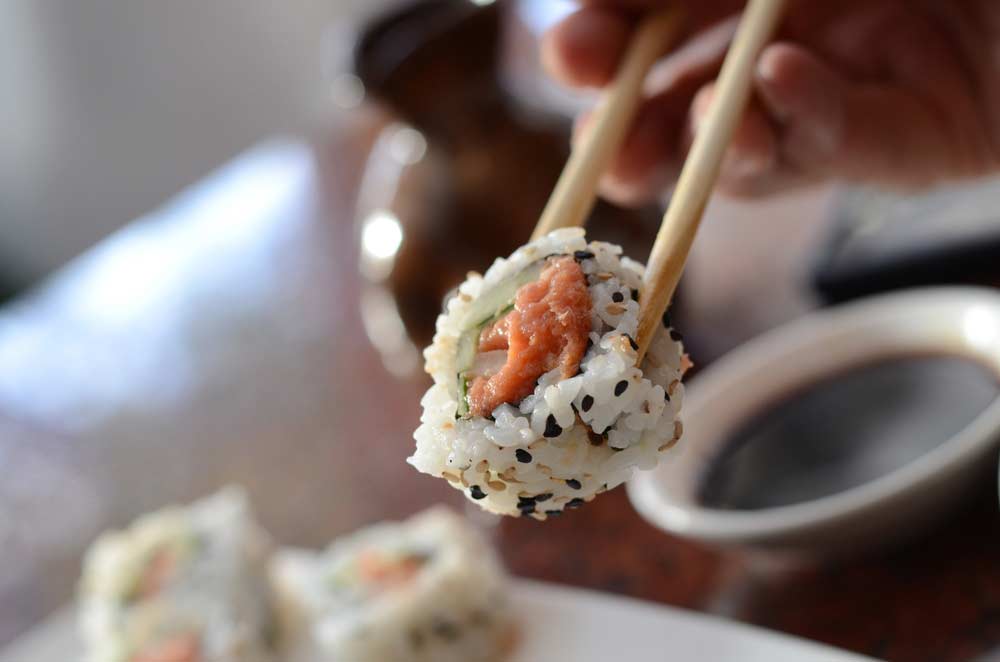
220, 340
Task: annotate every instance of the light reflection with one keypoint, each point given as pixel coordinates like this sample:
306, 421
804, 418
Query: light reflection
407, 145
386, 331
347, 91
981, 327
381, 235
540, 16
126, 314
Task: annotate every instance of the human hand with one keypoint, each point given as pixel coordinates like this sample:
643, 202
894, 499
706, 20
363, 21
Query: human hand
903, 93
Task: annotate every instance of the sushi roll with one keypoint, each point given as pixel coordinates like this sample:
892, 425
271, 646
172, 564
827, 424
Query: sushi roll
425, 590
537, 403
180, 585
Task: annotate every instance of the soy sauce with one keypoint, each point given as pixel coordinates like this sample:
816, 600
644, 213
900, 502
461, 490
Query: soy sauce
847, 430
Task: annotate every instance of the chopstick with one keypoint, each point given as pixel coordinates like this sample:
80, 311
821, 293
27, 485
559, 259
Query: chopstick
574, 194
701, 168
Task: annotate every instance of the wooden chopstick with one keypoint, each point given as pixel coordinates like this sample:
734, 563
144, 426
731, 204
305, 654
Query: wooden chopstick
576, 190
701, 168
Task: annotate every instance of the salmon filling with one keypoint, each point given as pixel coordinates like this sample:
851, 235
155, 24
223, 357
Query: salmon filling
156, 574
182, 648
377, 568
548, 328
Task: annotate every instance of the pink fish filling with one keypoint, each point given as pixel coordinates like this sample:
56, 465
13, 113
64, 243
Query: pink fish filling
181, 648
547, 328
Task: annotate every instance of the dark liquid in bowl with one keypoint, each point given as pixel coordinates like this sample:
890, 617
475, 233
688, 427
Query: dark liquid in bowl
847, 430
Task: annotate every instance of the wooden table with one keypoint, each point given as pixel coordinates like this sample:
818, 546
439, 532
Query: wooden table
243, 358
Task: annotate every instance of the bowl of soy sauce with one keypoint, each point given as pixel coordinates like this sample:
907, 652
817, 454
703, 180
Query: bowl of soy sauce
850, 429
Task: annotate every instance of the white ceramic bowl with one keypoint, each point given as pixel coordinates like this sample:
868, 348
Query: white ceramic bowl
963, 321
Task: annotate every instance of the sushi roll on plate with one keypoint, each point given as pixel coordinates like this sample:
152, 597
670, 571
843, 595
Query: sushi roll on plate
425, 590
180, 585
537, 403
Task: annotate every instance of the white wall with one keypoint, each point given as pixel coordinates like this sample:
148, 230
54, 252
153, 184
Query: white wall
107, 107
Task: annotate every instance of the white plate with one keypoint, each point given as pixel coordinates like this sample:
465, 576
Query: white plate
561, 624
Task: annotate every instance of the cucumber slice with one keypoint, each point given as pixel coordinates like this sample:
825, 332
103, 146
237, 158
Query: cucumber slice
489, 307
499, 300
463, 397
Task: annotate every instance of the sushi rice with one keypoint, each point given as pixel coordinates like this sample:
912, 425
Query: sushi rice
570, 439
425, 590
186, 584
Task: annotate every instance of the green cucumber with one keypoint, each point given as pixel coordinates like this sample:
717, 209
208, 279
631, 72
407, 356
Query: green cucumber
488, 308
500, 299
463, 397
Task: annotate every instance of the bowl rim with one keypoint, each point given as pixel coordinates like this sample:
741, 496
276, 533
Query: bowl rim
689, 519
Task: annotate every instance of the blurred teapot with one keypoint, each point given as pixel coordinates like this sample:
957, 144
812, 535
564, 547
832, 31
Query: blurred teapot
460, 171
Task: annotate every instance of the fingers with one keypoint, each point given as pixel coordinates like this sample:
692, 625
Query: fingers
807, 101
646, 163
750, 165
832, 127
584, 49
807, 120
653, 149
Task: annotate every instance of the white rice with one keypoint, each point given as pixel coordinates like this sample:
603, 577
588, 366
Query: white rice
217, 591
452, 609
519, 463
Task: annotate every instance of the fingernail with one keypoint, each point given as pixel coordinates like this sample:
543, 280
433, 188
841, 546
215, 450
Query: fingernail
580, 127
700, 107
769, 88
767, 66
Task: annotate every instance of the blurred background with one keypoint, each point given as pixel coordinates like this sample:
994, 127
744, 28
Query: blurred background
226, 228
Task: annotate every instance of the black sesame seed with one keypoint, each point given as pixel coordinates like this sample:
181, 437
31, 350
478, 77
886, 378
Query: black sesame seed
676, 335
635, 295
526, 508
522, 456
575, 503
524, 500
553, 513
587, 403
582, 255
552, 429
666, 318
574, 483
543, 497
476, 492
617, 297
631, 341
621, 386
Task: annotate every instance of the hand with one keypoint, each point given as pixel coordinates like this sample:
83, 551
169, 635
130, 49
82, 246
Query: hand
903, 93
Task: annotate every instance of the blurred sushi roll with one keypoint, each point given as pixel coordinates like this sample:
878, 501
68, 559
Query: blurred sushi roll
538, 404
180, 585
425, 590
